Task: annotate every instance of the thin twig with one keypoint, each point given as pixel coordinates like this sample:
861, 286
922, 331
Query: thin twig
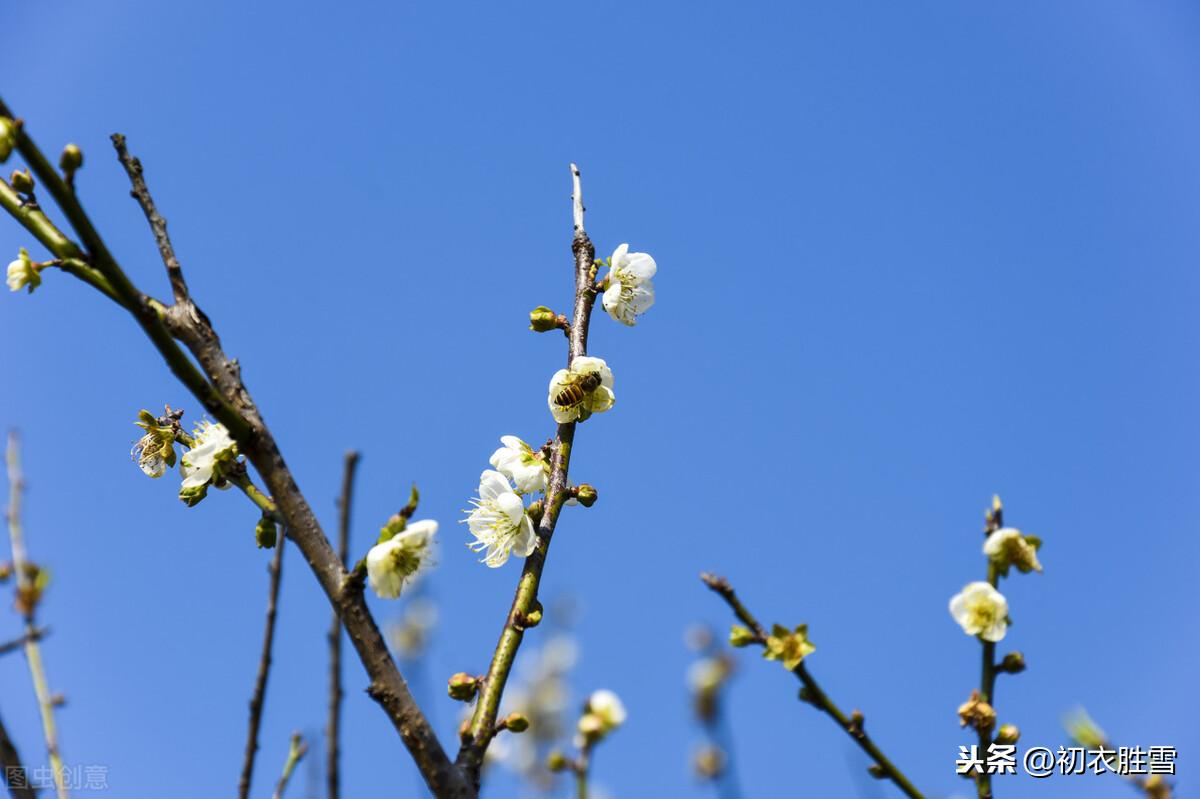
226, 397
987, 671
815, 695
158, 223
296, 753
19, 643
332, 728
11, 771
264, 668
28, 597
525, 602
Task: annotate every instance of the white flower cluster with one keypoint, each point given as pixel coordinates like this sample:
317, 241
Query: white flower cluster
628, 290
398, 560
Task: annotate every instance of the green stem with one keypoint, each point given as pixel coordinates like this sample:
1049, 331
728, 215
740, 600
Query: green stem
987, 691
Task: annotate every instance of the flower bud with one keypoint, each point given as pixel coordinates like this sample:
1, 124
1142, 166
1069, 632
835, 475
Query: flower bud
462, 686
556, 761
977, 713
740, 636
266, 532
516, 722
1008, 734
71, 158
586, 494
22, 182
8, 138
876, 771
542, 319
1013, 663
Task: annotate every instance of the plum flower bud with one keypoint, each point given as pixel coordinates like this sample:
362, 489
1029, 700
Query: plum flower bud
542, 319
1008, 547
556, 761
586, 495
71, 158
1008, 734
517, 461
266, 532
213, 452
23, 272
981, 610
154, 451
8, 138
977, 713
395, 562
1013, 663
22, 181
629, 292
516, 722
790, 648
462, 686
499, 522
586, 387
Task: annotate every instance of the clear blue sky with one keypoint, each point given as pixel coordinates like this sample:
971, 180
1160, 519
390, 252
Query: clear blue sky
909, 255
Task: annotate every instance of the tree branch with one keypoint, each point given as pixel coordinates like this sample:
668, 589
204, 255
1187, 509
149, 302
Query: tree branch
296, 753
525, 602
19, 643
264, 668
814, 694
28, 597
227, 398
332, 728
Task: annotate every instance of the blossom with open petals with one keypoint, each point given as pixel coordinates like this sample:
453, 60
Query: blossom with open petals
789, 647
1008, 546
22, 272
517, 461
499, 522
586, 387
154, 451
396, 561
212, 450
630, 292
981, 610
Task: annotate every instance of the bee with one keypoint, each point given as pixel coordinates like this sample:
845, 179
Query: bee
574, 393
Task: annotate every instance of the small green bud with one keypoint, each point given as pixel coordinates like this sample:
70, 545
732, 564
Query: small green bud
410, 507
556, 761
395, 525
740, 636
516, 722
806, 695
876, 771
462, 686
8, 138
586, 494
534, 617
71, 158
1008, 734
192, 496
266, 532
1013, 663
542, 319
22, 182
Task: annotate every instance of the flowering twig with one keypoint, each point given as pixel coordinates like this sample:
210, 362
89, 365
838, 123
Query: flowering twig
264, 668
219, 387
28, 596
296, 752
814, 695
525, 608
11, 771
344, 503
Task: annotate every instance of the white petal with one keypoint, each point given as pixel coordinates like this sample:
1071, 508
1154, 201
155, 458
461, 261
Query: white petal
618, 256
640, 265
492, 484
511, 506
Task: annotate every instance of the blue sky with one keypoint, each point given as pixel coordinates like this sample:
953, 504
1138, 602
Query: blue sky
909, 255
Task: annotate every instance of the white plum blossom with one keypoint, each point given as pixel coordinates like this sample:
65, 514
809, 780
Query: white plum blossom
981, 610
22, 272
517, 461
1008, 546
630, 293
211, 443
499, 522
396, 561
586, 387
